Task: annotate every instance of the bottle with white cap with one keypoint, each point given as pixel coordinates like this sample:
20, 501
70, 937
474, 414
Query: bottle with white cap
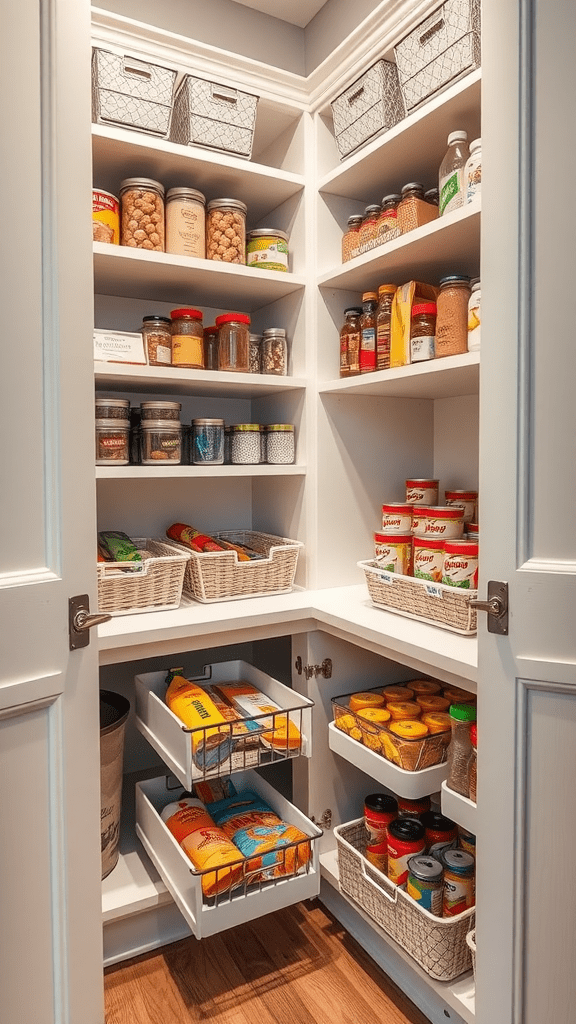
451, 177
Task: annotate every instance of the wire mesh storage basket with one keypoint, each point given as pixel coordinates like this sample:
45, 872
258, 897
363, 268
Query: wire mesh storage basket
131, 93
437, 944
220, 576
213, 115
372, 104
437, 603
154, 584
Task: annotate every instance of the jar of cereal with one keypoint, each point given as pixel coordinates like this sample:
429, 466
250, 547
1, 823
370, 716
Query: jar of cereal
226, 230
142, 221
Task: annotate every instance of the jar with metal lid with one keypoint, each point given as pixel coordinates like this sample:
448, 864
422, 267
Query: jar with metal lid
112, 408
142, 214
432, 196
161, 441
187, 339
350, 342
422, 332
387, 227
226, 230
425, 883
413, 210
234, 342
211, 348
368, 228
274, 355
186, 222
255, 352
160, 411
157, 335
386, 293
112, 442
245, 444
207, 442
368, 332
351, 238
267, 249
452, 315
280, 446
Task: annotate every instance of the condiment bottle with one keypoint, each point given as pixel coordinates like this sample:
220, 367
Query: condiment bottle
386, 293
351, 238
473, 171
187, 339
379, 810
451, 175
423, 332
368, 228
452, 315
368, 332
460, 749
413, 210
387, 227
473, 769
350, 342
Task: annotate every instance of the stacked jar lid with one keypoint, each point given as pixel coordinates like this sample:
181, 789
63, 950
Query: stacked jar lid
112, 431
160, 433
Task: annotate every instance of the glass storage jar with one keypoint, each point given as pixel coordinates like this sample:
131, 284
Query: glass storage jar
423, 332
211, 348
267, 249
112, 442
187, 339
368, 228
160, 411
142, 214
207, 442
226, 230
234, 342
112, 408
274, 354
351, 238
452, 315
157, 337
386, 293
413, 210
227, 445
350, 342
255, 352
161, 441
280, 447
459, 752
387, 227
245, 444
186, 222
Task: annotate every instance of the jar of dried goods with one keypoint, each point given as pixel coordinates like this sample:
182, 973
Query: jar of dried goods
280, 448
368, 332
234, 342
386, 293
207, 442
142, 220
161, 442
474, 318
413, 210
451, 174
387, 227
423, 332
460, 749
186, 222
255, 352
112, 442
160, 411
350, 342
112, 408
274, 355
473, 171
452, 315
157, 335
368, 228
245, 444
211, 348
187, 338
226, 230
351, 238
432, 196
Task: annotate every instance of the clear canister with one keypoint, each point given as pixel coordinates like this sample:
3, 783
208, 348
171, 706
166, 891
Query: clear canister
161, 442
157, 335
274, 355
112, 408
112, 442
207, 442
234, 342
460, 750
255, 352
142, 214
245, 444
160, 411
187, 339
226, 230
280, 446
452, 315
186, 222
211, 348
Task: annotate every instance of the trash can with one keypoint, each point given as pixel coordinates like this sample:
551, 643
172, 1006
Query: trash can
113, 714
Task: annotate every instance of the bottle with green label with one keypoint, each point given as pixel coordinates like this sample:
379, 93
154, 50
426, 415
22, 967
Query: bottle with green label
451, 177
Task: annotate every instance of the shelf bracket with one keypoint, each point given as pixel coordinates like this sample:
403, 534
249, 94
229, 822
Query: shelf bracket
324, 670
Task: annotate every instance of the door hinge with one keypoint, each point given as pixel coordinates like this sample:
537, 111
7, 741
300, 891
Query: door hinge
496, 606
324, 821
324, 670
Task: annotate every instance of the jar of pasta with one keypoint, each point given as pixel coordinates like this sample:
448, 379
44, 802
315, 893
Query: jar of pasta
234, 342
142, 216
226, 230
187, 339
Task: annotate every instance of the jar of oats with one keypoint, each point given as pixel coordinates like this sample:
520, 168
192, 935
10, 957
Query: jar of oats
142, 214
226, 230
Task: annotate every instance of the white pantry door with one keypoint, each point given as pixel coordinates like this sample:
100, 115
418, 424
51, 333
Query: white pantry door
526, 927
50, 893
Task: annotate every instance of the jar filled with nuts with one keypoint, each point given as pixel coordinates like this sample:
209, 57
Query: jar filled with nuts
142, 219
157, 340
234, 342
274, 358
187, 339
255, 345
226, 231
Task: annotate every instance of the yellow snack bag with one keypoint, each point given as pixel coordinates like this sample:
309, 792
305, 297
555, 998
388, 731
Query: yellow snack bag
193, 706
405, 297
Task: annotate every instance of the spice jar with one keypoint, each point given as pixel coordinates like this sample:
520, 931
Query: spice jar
255, 354
161, 441
234, 342
274, 356
142, 220
280, 447
452, 315
351, 238
350, 342
368, 228
160, 411
386, 293
186, 222
112, 442
368, 332
187, 339
413, 210
211, 348
474, 318
226, 230
112, 408
157, 337
267, 249
245, 444
207, 442
460, 749
387, 227
473, 769
422, 332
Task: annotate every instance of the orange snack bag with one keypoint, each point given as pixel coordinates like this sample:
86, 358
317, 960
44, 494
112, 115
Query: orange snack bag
205, 844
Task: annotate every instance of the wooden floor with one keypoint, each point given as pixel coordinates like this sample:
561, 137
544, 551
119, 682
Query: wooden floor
298, 966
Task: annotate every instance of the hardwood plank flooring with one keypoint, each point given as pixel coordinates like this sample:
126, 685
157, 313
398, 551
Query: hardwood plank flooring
298, 966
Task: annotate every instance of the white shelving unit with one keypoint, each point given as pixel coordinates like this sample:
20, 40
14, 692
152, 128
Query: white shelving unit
195, 472
459, 808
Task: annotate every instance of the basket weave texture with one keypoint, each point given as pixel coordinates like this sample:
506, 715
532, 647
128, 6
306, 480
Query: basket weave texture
441, 49
202, 118
219, 576
153, 584
437, 603
370, 105
437, 944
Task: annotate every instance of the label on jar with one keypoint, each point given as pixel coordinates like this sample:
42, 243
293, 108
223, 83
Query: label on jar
428, 894
163, 355
398, 861
428, 563
187, 350
424, 493
458, 894
185, 229
393, 556
422, 348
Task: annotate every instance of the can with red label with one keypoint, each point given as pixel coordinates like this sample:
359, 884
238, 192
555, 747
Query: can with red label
397, 517
422, 492
105, 217
442, 521
413, 808
406, 839
379, 810
465, 500
460, 567
458, 882
393, 552
428, 555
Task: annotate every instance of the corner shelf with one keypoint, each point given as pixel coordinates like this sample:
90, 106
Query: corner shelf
411, 785
448, 377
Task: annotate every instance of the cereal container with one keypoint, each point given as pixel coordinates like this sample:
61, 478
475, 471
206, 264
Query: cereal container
142, 205
226, 230
186, 222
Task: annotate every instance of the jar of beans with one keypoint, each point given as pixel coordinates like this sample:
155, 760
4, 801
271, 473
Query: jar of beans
452, 315
280, 449
142, 216
255, 352
157, 337
234, 342
245, 444
274, 358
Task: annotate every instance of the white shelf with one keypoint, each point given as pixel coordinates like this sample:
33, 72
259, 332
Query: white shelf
169, 381
459, 808
186, 280
408, 151
177, 472
118, 153
448, 245
411, 785
438, 378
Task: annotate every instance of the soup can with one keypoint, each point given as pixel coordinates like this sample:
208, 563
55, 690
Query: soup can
467, 840
393, 552
413, 808
465, 500
422, 492
446, 523
428, 554
425, 883
458, 882
397, 517
105, 217
406, 839
267, 249
460, 568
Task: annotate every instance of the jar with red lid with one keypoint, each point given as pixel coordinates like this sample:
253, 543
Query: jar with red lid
465, 499
406, 839
473, 767
460, 568
423, 332
439, 828
234, 342
386, 293
397, 517
187, 338
379, 810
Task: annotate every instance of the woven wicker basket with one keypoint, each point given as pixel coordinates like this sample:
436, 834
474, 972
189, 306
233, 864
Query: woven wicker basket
436, 603
471, 942
437, 944
155, 584
219, 576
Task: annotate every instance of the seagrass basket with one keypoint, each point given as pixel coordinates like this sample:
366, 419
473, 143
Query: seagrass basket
437, 603
154, 584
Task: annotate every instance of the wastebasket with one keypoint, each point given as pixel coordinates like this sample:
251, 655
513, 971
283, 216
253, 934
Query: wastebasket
113, 714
